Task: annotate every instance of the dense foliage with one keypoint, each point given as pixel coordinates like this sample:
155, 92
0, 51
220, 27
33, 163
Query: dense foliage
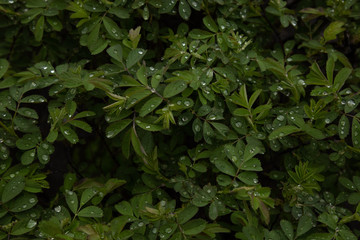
179, 119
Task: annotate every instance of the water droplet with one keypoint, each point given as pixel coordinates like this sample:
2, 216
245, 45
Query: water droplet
187, 103
31, 223
238, 124
351, 103
154, 230
12, 175
45, 157
280, 118
140, 224
197, 128
32, 200
279, 88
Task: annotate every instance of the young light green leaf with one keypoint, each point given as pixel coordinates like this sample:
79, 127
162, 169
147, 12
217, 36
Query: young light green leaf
91, 211
283, 131
69, 134
174, 88
135, 56
72, 200
13, 188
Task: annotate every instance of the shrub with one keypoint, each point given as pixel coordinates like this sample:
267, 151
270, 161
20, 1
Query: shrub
179, 119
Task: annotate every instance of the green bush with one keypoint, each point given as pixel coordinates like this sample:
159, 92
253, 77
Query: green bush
179, 119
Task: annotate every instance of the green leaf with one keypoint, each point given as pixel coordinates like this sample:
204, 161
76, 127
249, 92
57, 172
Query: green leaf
28, 157
124, 208
184, 9
343, 127
224, 166
23, 202
149, 126
254, 96
347, 234
4, 65
28, 112
141, 75
287, 228
34, 99
115, 128
249, 178
39, 29
134, 57
112, 28
253, 164
72, 200
341, 77
187, 213
213, 211
120, 12
115, 52
87, 194
194, 226
250, 151
355, 133
91, 211
149, 106
330, 65
347, 183
82, 125
13, 188
332, 30
283, 131
174, 88
69, 134
304, 225
26, 142
200, 34
210, 23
